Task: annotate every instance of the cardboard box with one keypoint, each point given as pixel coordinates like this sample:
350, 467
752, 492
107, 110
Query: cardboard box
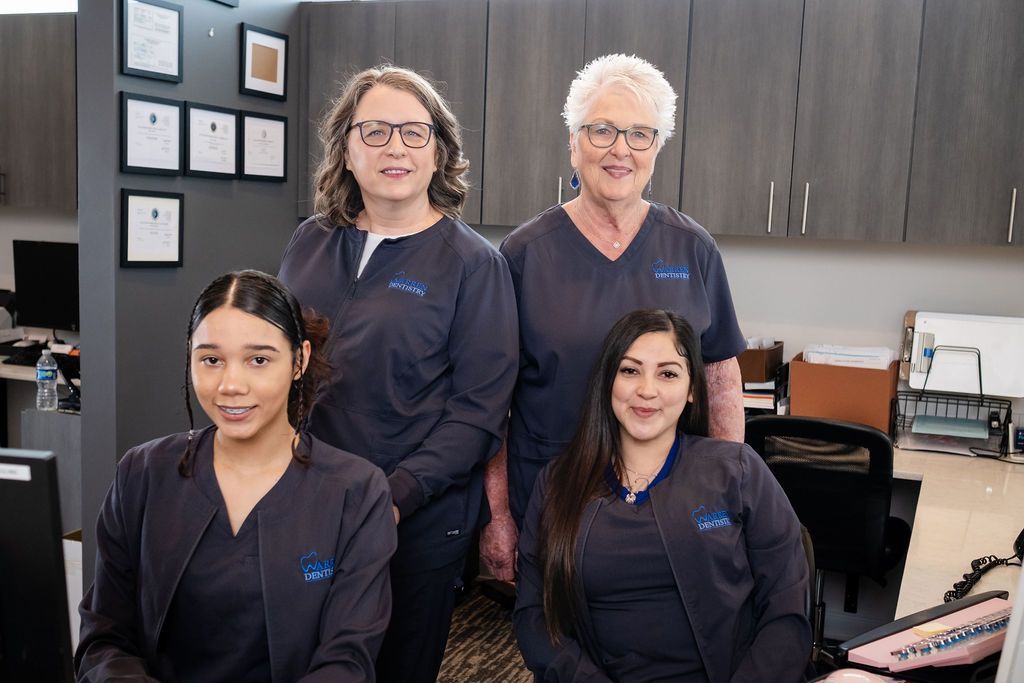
759, 365
852, 394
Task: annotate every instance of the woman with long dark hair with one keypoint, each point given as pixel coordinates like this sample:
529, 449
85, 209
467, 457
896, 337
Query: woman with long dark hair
249, 550
650, 551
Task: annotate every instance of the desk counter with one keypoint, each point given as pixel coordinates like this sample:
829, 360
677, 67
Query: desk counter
968, 508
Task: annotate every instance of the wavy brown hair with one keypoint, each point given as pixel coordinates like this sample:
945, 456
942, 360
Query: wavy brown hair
338, 199
578, 475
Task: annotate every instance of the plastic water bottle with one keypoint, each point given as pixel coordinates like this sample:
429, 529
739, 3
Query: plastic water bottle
46, 382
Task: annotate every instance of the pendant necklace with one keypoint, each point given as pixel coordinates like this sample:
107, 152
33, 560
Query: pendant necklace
640, 484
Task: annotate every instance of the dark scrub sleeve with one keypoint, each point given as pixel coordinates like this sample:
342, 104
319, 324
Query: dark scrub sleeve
562, 663
108, 648
482, 349
358, 606
782, 643
722, 339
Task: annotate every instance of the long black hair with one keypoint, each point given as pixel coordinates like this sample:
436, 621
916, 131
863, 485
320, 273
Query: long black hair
265, 297
578, 475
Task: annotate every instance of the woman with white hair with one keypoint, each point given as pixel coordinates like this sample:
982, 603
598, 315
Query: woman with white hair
578, 267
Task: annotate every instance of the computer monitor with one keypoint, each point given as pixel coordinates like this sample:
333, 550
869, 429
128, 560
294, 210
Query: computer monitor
35, 640
46, 284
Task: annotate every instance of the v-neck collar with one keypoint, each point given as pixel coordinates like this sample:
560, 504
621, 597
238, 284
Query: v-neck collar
587, 249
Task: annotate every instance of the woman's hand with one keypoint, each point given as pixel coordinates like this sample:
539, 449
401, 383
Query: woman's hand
498, 542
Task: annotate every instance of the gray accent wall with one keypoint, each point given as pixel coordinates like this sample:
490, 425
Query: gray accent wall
134, 320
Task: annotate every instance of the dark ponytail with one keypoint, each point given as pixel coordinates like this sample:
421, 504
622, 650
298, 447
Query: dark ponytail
265, 297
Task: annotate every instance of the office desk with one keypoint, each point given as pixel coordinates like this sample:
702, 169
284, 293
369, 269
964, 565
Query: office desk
16, 396
967, 508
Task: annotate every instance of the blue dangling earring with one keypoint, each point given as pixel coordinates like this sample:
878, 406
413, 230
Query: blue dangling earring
574, 181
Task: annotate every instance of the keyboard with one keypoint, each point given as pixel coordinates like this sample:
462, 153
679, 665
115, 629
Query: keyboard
29, 356
24, 355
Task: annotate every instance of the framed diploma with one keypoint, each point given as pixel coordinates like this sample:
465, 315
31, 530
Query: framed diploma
151, 37
264, 140
263, 63
151, 134
152, 229
211, 141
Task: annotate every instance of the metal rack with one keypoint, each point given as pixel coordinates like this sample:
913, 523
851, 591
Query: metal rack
917, 403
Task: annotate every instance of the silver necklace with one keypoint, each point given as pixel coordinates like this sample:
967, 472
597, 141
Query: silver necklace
616, 244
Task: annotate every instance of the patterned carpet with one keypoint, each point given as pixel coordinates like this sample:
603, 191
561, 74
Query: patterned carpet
481, 646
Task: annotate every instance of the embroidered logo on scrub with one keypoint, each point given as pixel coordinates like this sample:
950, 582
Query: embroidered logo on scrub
706, 521
404, 284
314, 569
667, 272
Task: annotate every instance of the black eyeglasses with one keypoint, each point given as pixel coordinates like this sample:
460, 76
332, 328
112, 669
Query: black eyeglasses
604, 135
414, 134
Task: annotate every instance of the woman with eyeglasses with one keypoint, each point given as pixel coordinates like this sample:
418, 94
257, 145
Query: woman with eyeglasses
579, 267
425, 337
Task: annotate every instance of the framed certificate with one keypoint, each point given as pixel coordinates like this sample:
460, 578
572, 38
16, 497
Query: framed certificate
152, 229
263, 63
151, 134
264, 140
211, 141
151, 36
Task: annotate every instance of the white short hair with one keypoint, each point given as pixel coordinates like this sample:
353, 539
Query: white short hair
637, 75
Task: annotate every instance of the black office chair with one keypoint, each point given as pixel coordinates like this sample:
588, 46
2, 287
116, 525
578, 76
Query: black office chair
838, 477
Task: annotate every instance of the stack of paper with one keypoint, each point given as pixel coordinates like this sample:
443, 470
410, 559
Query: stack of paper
876, 357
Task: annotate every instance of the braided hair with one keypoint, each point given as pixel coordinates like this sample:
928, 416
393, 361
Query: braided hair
265, 297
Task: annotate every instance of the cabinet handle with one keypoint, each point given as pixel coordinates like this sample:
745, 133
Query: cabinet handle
1013, 206
771, 204
803, 221
3, 188
559, 189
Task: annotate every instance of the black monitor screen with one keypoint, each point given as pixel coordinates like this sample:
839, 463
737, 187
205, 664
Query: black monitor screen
35, 639
46, 284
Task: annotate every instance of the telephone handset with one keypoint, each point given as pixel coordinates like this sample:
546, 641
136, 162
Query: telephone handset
982, 565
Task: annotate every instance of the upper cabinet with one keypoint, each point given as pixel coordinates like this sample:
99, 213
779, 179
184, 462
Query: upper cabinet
655, 30
339, 40
459, 72
534, 49
741, 108
38, 139
855, 118
969, 143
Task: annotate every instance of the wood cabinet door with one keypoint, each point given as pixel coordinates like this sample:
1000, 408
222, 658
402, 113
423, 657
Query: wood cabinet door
741, 109
446, 41
38, 117
969, 139
855, 117
534, 49
340, 39
656, 30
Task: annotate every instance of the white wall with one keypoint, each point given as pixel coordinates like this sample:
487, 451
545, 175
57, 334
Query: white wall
31, 224
835, 292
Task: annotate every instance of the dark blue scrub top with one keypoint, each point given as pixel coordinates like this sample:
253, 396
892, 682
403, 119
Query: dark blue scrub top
216, 629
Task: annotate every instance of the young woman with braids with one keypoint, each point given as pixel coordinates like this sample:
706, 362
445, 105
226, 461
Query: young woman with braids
649, 551
249, 550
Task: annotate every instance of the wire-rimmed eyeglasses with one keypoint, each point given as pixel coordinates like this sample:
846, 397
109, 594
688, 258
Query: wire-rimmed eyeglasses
414, 134
604, 135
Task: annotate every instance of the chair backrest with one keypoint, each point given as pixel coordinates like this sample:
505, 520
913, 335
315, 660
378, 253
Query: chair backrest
838, 477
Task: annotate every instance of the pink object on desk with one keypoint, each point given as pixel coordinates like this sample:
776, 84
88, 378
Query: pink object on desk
878, 653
